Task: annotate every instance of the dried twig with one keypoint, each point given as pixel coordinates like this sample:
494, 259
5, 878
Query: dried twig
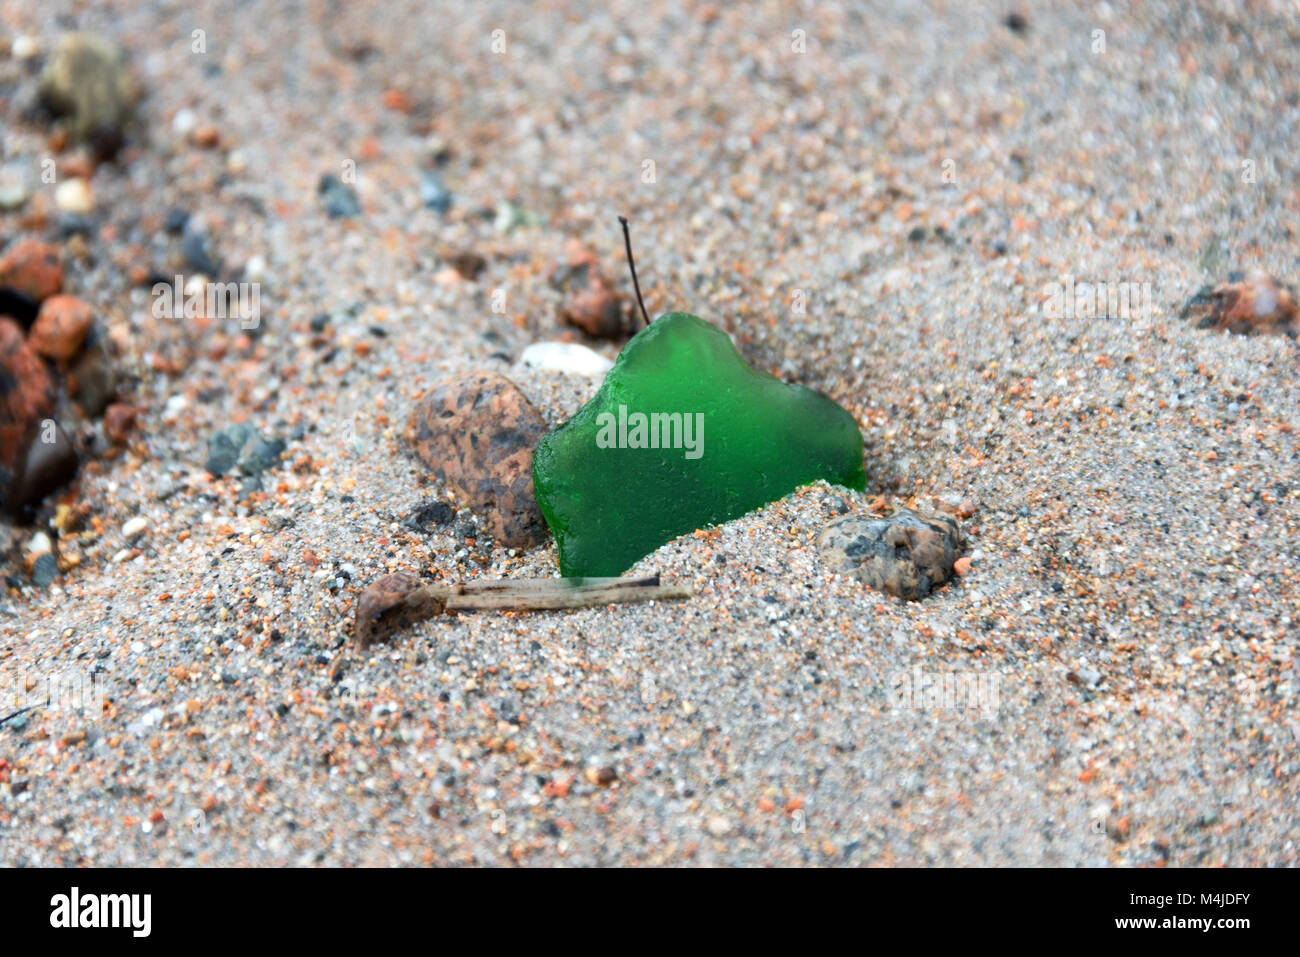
398, 601
5, 720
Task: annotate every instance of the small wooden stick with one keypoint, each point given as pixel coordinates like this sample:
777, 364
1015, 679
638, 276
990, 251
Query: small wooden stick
400, 600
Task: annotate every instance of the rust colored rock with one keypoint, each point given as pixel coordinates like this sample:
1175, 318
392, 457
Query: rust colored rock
207, 137
591, 303
391, 604
61, 327
32, 269
477, 433
119, 419
466, 262
26, 395
1254, 304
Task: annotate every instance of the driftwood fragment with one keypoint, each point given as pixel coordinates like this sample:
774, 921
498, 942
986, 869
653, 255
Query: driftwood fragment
398, 601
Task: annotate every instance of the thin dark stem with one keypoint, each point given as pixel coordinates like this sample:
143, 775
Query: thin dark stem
627, 241
6, 718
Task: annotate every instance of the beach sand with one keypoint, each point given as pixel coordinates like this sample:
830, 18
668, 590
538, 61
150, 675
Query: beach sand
877, 217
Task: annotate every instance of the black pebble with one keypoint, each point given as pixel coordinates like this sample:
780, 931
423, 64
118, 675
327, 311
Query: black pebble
45, 570
175, 220
430, 513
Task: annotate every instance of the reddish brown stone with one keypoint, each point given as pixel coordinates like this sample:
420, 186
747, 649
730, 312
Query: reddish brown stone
26, 395
466, 262
78, 164
477, 433
206, 136
591, 303
391, 604
32, 268
399, 101
119, 419
61, 327
1248, 305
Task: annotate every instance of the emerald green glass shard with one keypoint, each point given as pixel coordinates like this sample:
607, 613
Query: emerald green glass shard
682, 435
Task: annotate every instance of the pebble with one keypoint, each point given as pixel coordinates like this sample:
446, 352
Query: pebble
1247, 305
433, 193
241, 445
906, 555
206, 136
1088, 677
255, 269
74, 196
93, 378
262, 456
429, 514
568, 357
476, 432
224, 448
194, 247
184, 121
33, 269
12, 196
25, 47
591, 303
86, 80
467, 263
39, 544
61, 327
511, 216
392, 604
134, 527
27, 399
45, 467
45, 570
119, 419
339, 200
174, 220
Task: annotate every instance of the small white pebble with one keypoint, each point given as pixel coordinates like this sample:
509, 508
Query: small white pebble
184, 121
74, 196
135, 527
39, 544
25, 47
568, 357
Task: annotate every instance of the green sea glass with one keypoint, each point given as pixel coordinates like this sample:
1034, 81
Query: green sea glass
682, 435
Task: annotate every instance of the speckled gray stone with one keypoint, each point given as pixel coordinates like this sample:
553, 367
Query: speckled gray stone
906, 555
